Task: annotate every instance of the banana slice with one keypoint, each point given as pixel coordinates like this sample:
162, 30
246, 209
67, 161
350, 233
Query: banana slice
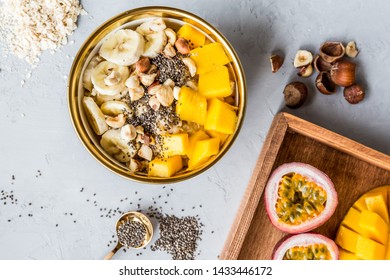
152, 26
114, 108
109, 78
95, 116
116, 146
155, 44
124, 47
101, 98
87, 82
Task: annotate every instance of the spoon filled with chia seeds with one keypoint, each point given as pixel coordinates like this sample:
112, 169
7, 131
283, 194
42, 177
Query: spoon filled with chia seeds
134, 231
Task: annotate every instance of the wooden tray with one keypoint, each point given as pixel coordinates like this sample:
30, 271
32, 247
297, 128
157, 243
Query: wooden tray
353, 168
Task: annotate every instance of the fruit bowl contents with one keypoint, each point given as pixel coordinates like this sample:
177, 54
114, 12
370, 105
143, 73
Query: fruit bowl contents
160, 97
364, 232
299, 197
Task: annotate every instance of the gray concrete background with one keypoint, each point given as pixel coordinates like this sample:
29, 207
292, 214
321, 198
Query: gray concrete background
37, 134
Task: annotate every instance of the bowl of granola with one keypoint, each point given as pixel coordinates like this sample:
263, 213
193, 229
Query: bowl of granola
157, 95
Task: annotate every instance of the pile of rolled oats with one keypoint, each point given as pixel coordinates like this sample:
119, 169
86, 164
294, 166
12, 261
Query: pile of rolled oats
29, 27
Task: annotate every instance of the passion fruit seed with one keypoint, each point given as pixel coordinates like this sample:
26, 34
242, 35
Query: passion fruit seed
299, 199
311, 252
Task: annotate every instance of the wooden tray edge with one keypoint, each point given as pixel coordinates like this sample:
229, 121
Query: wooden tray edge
281, 123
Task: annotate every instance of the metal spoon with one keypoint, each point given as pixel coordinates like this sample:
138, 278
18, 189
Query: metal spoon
137, 217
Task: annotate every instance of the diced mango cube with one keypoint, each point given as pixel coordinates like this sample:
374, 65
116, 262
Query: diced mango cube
215, 83
191, 106
347, 239
222, 137
193, 139
221, 117
165, 167
208, 57
368, 249
204, 149
345, 255
194, 37
351, 220
174, 144
387, 254
373, 226
377, 203
360, 204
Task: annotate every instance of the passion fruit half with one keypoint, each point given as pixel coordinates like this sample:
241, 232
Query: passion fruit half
299, 197
306, 246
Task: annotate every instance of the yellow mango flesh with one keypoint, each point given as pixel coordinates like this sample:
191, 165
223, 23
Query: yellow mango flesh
387, 254
215, 83
347, 239
194, 37
377, 203
222, 137
368, 249
221, 117
345, 255
373, 226
204, 149
174, 144
360, 204
191, 106
208, 57
193, 139
165, 167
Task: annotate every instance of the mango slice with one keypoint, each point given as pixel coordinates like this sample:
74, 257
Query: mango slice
221, 117
372, 226
377, 203
222, 137
194, 37
174, 144
351, 220
194, 138
204, 149
215, 83
345, 255
208, 57
368, 249
387, 254
347, 239
165, 167
191, 106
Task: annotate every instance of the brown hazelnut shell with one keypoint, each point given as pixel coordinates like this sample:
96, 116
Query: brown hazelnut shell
321, 65
354, 94
324, 84
332, 51
342, 73
295, 94
276, 62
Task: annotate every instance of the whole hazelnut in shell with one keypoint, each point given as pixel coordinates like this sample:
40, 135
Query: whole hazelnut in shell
342, 73
354, 94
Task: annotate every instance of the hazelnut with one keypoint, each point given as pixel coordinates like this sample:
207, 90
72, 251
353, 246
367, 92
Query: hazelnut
142, 65
332, 51
147, 79
154, 103
305, 71
128, 132
324, 84
351, 49
342, 73
164, 95
176, 92
145, 152
354, 94
190, 65
276, 62
182, 46
321, 65
134, 165
295, 94
169, 51
171, 35
303, 58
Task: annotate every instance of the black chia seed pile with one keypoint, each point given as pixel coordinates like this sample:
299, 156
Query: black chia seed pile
178, 235
171, 68
131, 234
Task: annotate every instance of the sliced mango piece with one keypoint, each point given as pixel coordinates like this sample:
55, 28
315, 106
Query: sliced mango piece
351, 220
208, 57
222, 137
347, 239
174, 144
215, 83
191, 106
345, 255
387, 254
165, 167
368, 249
204, 149
194, 37
221, 117
193, 139
377, 203
372, 226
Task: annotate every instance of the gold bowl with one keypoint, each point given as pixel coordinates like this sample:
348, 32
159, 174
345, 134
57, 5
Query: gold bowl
174, 18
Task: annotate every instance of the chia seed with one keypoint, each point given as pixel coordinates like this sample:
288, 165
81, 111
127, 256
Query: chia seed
171, 68
131, 234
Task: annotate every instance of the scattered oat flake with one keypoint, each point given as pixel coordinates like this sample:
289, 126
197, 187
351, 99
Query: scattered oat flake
30, 27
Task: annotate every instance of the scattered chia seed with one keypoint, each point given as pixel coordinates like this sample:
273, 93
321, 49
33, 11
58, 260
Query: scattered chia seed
171, 68
131, 234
